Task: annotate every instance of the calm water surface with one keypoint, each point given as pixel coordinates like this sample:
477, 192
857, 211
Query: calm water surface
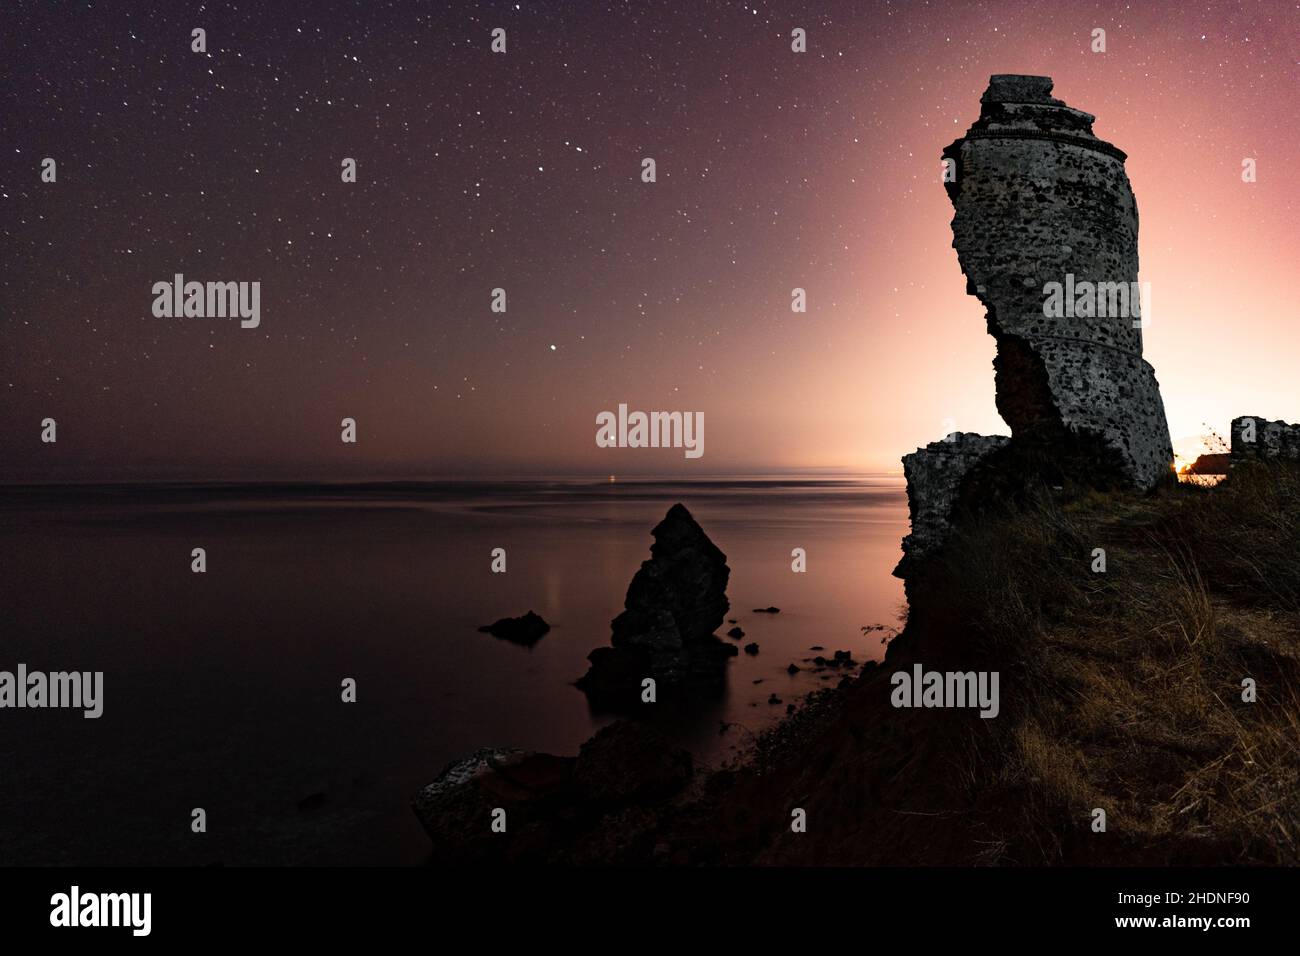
222, 690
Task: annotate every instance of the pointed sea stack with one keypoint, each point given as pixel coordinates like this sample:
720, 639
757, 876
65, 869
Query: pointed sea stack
675, 602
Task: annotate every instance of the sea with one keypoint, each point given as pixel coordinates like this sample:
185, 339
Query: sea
223, 691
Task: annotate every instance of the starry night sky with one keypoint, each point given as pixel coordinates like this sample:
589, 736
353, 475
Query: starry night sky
478, 170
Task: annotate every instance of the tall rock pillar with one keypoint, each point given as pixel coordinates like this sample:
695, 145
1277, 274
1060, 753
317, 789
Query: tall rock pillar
1046, 232
1040, 200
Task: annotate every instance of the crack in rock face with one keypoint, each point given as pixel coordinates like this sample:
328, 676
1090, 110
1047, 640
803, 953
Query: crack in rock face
1039, 200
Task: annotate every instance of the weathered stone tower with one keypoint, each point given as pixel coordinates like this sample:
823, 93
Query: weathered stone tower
1039, 200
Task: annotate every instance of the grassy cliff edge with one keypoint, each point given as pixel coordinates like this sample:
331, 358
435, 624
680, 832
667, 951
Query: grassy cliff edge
1121, 690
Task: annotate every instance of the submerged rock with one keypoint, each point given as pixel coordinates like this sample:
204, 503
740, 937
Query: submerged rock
528, 629
674, 603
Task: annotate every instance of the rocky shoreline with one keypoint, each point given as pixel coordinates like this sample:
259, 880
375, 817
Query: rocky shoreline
622, 799
629, 785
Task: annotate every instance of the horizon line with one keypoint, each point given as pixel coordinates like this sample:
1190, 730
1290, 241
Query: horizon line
729, 477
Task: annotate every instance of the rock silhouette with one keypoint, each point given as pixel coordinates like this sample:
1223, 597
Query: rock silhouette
528, 629
674, 603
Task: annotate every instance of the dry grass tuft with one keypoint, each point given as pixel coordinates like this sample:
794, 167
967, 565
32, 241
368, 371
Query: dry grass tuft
1127, 685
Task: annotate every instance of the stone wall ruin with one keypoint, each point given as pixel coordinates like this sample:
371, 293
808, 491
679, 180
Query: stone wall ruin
1256, 439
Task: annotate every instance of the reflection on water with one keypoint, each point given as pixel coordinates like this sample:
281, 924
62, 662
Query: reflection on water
222, 690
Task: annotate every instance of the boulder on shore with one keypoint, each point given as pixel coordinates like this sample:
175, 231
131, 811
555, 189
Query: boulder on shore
601, 806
